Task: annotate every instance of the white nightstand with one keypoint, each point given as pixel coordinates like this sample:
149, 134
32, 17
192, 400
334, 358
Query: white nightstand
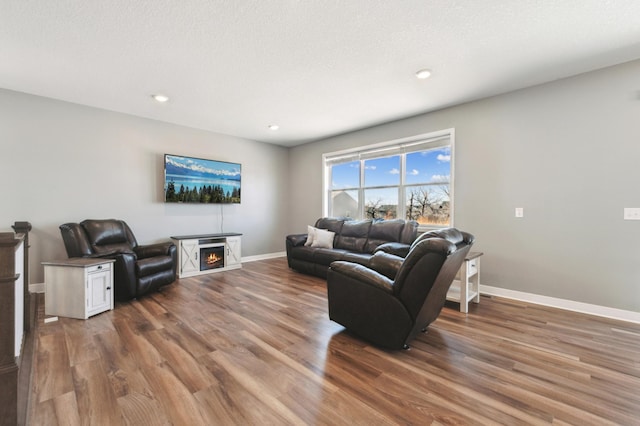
78, 287
466, 287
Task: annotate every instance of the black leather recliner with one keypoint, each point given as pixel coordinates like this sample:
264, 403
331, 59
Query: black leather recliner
389, 302
138, 269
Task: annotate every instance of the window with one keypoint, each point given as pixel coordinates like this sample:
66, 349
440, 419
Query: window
410, 179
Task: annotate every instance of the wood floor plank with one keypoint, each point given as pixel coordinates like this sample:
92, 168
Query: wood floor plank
188, 339
44, 413
229, 402
185, 367
67, 411
52, 374
142, 409
464, 387
336, 408
144, 352
247, 378
121, 366
96, 400
170, 392
151, 318
80, 344
255, 346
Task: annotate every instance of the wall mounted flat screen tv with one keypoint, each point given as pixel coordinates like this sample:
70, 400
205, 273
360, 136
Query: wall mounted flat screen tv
196, 180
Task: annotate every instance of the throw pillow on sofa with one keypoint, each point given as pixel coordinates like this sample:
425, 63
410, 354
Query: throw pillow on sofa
311, 235
323, 238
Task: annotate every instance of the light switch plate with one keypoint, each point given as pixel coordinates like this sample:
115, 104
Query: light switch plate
519, 212
631, 213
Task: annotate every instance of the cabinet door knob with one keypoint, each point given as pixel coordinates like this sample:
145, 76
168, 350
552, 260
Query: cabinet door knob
100, 267
108, 288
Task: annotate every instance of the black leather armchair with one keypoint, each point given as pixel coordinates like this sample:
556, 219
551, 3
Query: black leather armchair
393, 299
138, 269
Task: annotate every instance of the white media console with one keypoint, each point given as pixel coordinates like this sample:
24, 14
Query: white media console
207, 253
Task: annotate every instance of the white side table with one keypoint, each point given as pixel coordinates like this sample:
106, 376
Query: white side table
467, 288
78, 287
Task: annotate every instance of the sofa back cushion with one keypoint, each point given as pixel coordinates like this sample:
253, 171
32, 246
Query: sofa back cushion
330, 223
353, 236
384, 231
409, 232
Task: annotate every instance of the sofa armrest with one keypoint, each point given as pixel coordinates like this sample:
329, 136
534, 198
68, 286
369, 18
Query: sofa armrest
296, 240
363, 274
398, 249
152, 250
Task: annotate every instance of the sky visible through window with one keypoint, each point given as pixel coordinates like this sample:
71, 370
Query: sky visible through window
431, 166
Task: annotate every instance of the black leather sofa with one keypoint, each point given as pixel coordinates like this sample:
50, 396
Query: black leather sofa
138, 269
354, 241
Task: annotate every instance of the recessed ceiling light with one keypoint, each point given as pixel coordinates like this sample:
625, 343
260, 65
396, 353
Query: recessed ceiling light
422, 74
273, 127
160, 98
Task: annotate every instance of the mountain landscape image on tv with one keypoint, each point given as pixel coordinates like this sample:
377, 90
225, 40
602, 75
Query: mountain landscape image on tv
196, 180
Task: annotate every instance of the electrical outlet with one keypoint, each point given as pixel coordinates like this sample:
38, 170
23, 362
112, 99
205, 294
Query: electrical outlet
519, 212
631, 213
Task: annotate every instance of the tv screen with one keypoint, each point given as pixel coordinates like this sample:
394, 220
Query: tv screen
196, 180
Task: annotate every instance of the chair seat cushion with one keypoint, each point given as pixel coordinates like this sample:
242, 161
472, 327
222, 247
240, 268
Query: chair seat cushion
153, 265
324, 256
303, 253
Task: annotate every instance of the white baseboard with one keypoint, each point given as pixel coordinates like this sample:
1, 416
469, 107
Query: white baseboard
570, 305
36, 288
264, 256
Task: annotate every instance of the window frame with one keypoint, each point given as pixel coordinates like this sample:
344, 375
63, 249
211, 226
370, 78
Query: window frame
417, 143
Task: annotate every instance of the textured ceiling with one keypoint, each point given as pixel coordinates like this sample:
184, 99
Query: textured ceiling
314, 67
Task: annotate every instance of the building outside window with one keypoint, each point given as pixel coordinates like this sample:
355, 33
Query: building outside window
408, 179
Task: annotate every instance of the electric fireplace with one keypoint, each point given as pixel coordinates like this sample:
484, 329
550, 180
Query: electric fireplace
207, 253
211, 257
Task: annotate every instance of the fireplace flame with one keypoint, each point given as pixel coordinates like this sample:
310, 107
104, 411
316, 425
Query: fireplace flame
213, 258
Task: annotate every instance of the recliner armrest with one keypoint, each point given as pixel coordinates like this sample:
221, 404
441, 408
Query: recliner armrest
386, 264
152, 250
125, 275
363, 274
395, 248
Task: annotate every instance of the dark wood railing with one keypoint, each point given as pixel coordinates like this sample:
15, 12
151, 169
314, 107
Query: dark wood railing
10, 246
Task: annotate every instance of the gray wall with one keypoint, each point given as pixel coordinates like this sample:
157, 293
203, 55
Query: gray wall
567, 151
62, 162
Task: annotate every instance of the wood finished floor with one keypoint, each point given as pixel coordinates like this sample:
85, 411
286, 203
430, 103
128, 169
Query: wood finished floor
255, 346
